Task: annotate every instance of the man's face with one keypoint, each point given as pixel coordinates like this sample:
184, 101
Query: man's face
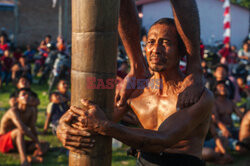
162, 48
23, 83
220, 73
245, 47
2, 39
23, 97
63, 86
6, 53
56, 98
221, 89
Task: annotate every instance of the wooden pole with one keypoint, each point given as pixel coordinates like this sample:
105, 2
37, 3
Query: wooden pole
94, 52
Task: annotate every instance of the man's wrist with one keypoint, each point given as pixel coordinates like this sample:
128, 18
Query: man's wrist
106, 128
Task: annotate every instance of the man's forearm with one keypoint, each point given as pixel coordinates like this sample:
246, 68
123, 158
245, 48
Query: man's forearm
188, 25
129, 31
147, 140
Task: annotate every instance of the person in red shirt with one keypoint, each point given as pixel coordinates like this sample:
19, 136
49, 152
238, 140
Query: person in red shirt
6, 63
202, 49
3, 44
17, 54
224, 53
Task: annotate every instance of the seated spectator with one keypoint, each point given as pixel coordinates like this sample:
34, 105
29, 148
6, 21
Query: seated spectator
214, 149
242, 87
56, 108
42, 55
207, 74
244, 134
29, 54
221, 74
23, 82
21, 68
6, 64
61, 47
223, 109
63, 89
17, 54
244, 53
18, 122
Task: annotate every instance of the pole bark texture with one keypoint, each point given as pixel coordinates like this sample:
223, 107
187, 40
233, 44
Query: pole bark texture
94, 52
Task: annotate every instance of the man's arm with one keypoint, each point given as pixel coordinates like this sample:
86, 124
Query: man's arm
186, 18
21, 126
129, 31
167, 135
216, 120
47, 122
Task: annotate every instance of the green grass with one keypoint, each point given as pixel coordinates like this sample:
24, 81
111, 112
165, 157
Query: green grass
57, 155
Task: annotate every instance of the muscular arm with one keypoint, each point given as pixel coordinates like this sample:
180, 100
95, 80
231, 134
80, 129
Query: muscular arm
150, 140
186, 17
21, 126
129, 31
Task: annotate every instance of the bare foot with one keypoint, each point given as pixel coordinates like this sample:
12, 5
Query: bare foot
35, 159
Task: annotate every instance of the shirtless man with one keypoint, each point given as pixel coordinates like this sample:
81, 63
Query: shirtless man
222, 111
244, 134
16, 123
168, 135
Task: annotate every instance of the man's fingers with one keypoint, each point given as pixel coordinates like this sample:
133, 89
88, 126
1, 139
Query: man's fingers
78, 111
80, 139
75, 150
73, 131
79, 145
87, 103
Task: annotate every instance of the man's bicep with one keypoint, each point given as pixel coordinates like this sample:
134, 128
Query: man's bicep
184, 121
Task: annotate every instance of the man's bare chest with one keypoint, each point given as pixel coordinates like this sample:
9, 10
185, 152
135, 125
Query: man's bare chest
152, 109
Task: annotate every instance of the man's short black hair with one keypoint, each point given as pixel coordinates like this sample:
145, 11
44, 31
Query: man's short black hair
223, 66
25, 77
170, 22
53, 93
22, 89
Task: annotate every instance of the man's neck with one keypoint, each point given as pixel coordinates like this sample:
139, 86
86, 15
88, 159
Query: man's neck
169, 81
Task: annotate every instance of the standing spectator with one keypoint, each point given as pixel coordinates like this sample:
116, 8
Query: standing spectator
224, 53
202, 50
232, 58
6, 64
3, 44
244, 53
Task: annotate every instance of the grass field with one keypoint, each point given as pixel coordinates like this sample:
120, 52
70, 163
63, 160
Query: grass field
57, 156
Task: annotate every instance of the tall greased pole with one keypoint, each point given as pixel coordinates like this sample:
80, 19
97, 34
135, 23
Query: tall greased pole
94, 51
